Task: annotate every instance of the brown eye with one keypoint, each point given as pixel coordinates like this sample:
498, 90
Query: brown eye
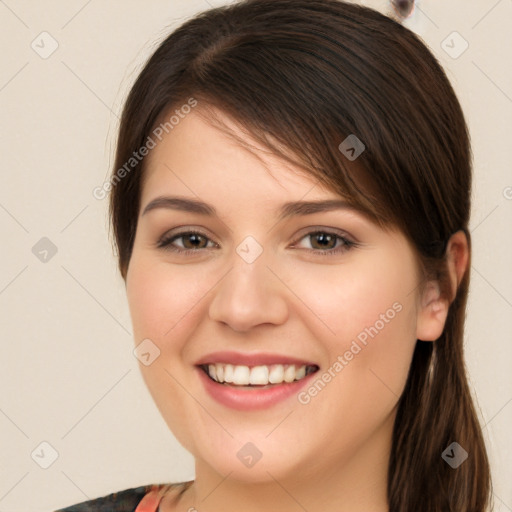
324, 240
324, 243
193, 241
188, 241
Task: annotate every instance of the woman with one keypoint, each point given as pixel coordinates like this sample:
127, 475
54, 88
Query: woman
290, 204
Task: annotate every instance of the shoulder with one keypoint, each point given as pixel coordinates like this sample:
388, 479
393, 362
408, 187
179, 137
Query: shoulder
119, 501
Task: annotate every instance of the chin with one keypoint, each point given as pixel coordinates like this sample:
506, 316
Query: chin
251, 461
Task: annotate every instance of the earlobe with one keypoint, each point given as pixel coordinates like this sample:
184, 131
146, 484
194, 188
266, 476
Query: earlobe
432, 314
434, 305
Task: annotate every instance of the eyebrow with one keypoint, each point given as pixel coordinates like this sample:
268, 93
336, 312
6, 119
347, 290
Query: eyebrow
287, 210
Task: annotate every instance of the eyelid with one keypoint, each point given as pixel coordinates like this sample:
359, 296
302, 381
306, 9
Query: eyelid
310, 230
168, 236
166, 240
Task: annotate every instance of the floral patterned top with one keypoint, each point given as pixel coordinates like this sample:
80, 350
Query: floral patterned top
137, 499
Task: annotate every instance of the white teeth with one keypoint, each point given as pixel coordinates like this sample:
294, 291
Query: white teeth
289, 374
259, 375
242, 375
300, 373
276, 374
228, 373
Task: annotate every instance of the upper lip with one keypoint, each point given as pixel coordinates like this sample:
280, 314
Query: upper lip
256, 359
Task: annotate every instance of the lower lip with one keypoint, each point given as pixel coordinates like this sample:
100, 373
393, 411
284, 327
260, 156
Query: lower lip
254, 398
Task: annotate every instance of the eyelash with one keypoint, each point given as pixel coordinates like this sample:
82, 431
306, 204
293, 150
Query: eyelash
166, 243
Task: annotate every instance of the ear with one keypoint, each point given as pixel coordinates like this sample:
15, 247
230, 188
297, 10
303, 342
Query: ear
434, 307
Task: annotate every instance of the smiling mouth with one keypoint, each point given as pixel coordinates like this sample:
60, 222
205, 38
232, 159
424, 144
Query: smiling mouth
256, 376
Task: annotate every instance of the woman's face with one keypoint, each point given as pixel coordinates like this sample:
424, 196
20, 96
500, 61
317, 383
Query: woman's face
325, 288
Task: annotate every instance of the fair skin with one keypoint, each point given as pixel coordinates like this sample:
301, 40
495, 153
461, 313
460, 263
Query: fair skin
330, 454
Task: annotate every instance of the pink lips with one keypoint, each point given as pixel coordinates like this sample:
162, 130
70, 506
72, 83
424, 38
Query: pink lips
237, 358
244, 398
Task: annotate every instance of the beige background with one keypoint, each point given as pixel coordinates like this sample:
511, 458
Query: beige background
68, 376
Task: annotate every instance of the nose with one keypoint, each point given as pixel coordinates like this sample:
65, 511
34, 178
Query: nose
249, 295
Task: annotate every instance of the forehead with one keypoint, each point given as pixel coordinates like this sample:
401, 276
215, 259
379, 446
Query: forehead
197, 158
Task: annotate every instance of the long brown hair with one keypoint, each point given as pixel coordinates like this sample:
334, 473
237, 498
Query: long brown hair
301, 76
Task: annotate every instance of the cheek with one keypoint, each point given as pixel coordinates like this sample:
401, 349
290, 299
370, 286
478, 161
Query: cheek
368, 324
345, 300
163, 299
165, 302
